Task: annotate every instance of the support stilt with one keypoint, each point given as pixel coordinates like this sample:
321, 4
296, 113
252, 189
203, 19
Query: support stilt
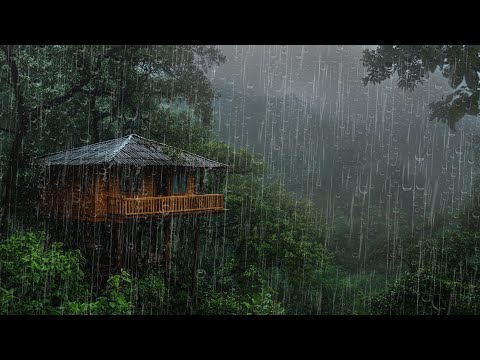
119, 239
166, 236
196, 251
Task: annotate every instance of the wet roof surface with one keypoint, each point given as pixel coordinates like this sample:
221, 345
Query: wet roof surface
128, 150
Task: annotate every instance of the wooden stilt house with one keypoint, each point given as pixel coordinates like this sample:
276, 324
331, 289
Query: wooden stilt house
127, 178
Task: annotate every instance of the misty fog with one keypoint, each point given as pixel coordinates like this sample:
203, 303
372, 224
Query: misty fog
362, 152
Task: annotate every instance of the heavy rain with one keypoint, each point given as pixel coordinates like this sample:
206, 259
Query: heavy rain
239, 179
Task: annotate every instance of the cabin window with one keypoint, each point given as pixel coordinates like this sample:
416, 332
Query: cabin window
125, 182
184, 182
197, 182
200, 181
135, 184
179, 182
175, 183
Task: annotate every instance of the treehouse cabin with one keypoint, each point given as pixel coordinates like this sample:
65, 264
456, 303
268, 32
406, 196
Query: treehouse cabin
127, 178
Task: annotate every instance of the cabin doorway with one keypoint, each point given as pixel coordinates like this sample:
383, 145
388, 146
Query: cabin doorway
130, 181
161, 183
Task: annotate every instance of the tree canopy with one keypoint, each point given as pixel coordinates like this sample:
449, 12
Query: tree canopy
56, 96
413, 64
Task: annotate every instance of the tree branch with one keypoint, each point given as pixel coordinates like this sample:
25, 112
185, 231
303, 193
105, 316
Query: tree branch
75, 89
14, 77
62, 98
15, 154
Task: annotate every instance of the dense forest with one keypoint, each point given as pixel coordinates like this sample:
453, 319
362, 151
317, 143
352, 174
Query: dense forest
351, 187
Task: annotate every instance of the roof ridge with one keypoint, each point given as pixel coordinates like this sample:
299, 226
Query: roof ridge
182, 150
127, 141
121, 147
149, 151
191, 153
78, 147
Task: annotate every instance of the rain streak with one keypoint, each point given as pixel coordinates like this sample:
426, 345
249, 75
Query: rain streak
239, 179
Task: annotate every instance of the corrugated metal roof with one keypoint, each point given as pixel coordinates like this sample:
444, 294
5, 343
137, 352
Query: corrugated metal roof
129, 150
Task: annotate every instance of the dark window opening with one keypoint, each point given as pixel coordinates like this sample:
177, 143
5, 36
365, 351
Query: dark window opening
125, 182
161, 183
175, 183
200, 181
179, 185
135, 184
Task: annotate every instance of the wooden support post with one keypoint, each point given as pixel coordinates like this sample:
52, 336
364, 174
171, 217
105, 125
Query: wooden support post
110, 233
196, 251
152, 251
120, 245
96, 253
166, 237
151, 235
137, 250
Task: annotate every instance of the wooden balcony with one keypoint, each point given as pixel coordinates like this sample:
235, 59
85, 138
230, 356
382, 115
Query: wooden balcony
165, 205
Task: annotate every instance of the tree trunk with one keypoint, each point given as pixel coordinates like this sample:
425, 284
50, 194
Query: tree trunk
9, 181
23, 117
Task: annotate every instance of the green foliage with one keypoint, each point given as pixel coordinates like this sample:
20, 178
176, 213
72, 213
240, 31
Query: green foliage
149, 294
273, 240
342, 293
81, 308
115, 300
117, 297
445, 281
412, 64
176, 124
220, 304
6, 298
428, 293
240, 161
61, 96
37, 279
259, 303
97, 78
281, 229
125, 295
272, 257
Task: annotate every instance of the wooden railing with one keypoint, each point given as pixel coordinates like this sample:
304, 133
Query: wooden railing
165, 204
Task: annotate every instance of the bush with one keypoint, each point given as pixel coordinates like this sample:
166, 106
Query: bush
220, 303
35, 278
427, 292
149, 294
117, 299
